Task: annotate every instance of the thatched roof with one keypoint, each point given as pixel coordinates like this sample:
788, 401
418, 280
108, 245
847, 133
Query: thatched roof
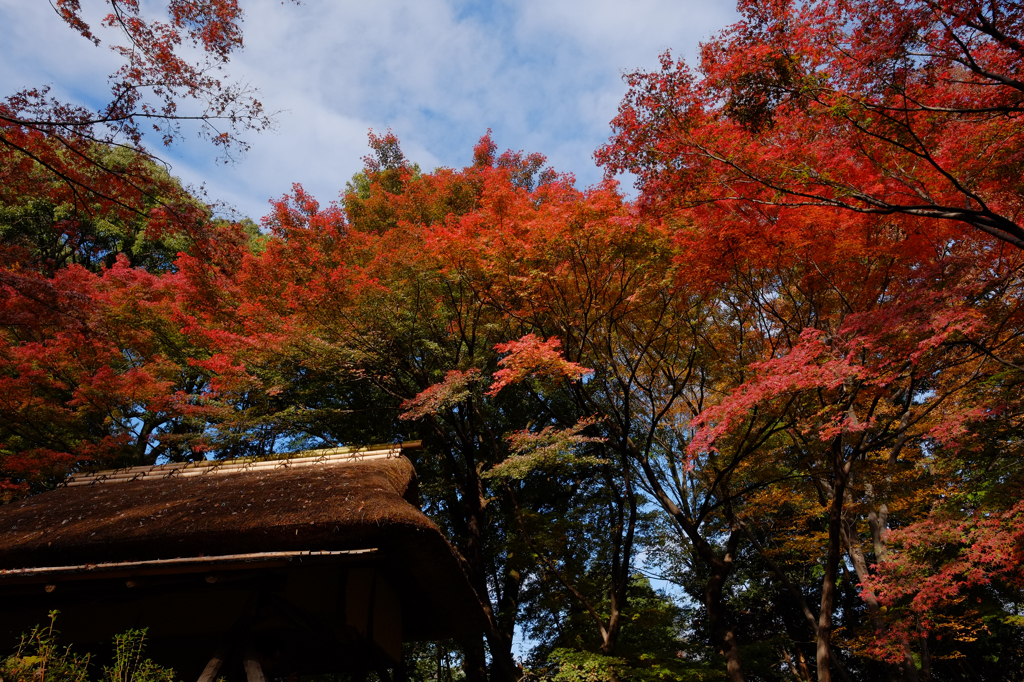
320, 504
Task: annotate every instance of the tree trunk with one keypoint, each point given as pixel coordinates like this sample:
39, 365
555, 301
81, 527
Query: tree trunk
472, 504
503, 667
798, 597
718, 620
804, 668
860, 565
841, 471
926, 659
625, 510
474, 662
508, 603
720, 567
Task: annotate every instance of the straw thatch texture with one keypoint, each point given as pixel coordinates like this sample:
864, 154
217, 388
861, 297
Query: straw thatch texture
331, 505
338, 506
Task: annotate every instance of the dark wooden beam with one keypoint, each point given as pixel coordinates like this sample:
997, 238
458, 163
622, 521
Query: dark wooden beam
201, 564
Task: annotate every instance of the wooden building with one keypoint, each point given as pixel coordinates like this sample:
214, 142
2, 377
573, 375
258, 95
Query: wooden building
319, 562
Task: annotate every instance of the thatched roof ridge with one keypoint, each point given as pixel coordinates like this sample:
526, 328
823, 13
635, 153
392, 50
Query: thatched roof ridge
214, 467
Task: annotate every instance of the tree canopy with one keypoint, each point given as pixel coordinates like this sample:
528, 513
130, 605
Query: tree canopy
761, 422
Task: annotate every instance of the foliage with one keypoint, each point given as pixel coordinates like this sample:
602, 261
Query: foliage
548, 449
130, 666
39, 658
654, 645
910, 108
432, 662
787, 376
168, 74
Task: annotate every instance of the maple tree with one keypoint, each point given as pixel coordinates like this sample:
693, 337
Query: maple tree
99, 364
908, 108
608, 288
168, 76
102, 368
571, 363
406, 290
828, 139
476, 392
382, 316
786, 377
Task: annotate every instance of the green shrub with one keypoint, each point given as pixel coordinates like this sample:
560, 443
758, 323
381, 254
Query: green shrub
38, 658
130, 666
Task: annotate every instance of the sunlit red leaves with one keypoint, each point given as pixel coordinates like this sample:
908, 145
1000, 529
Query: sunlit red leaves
93, 365
903, 108
526, 358
836, 171
938, 560
71, 12
532, 357
156, 77
213, 24
458, 292
810, 365
452, 390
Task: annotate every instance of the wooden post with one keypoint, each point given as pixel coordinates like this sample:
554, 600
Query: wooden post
213, 667
253, 671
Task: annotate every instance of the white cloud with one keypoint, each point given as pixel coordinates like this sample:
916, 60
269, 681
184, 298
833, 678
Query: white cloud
545, 75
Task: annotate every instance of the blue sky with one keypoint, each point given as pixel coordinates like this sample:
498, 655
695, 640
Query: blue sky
544, 75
